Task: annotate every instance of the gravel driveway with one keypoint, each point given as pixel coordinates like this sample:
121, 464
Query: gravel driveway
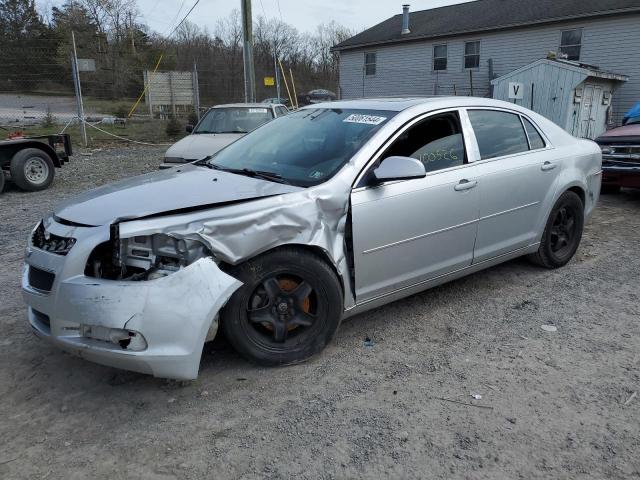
554, 404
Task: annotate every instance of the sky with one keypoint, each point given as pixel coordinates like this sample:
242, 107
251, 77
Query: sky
305, 15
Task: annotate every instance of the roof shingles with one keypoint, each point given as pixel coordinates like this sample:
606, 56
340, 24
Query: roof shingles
484, 15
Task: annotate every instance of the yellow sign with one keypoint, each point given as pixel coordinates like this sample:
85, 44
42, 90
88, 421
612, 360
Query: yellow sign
269, 81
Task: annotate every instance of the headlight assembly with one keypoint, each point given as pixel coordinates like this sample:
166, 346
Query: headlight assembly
144, 257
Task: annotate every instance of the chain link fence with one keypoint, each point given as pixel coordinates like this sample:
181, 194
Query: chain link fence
124, 95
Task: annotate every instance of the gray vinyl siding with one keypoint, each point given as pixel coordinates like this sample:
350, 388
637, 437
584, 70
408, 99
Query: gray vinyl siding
612, 43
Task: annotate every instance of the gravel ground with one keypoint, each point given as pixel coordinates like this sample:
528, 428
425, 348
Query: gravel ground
554, 404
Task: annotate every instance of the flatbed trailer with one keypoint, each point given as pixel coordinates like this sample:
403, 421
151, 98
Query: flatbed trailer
30, 162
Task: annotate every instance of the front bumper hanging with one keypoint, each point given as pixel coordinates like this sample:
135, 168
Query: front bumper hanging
154, 326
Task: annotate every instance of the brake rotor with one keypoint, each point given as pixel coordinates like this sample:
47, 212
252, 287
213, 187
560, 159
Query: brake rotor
289, 285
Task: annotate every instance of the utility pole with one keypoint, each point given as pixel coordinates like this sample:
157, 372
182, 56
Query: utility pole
78, 89
275, 68
249, 71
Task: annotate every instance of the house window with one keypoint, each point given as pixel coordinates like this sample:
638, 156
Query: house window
570, 43
370, 63
471, 54
439, 57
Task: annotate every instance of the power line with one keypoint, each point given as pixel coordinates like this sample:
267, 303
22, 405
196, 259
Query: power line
175, 17
183, 19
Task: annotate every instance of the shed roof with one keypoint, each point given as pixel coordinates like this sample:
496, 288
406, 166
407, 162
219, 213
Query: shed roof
583, 68
484, 15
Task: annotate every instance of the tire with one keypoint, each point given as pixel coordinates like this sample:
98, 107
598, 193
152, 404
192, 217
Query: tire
610, 189
562, 233
287, 310
2, 180
32, 169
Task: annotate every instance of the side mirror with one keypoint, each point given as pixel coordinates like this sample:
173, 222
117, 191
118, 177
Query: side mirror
189, 128
399, 168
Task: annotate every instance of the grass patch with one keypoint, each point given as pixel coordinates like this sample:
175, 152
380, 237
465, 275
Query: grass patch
148, 132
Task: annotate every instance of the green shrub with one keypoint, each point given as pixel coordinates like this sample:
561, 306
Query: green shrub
192, 118
49, 120
174, 127
121, 110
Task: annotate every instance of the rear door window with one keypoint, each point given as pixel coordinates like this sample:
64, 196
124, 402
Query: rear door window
498, 133
535, 139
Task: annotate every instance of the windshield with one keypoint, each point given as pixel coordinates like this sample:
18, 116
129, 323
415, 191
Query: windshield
306, 147
233, 119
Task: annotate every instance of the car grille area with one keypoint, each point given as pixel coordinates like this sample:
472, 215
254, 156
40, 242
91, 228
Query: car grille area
40, 279
43, 320
50, 242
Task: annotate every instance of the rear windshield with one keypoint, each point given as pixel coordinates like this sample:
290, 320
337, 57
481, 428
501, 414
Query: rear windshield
306, 147
233, 119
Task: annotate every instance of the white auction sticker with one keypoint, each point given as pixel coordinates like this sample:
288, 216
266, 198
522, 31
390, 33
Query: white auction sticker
366, 119
257, 110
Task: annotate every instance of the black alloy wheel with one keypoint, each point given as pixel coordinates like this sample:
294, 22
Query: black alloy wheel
562, 233
287, 310
281, 306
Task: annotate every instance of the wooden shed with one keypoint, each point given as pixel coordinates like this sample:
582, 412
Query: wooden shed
574, 95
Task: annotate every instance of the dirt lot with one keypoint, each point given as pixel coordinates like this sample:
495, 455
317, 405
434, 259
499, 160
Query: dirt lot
556, 404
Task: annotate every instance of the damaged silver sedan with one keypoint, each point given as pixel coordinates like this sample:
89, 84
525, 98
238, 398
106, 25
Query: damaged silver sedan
324, 213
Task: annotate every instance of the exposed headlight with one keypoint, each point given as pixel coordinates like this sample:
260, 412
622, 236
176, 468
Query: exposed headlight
144, 257
160, 254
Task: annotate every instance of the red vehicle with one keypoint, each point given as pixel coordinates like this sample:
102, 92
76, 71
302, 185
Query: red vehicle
621, 154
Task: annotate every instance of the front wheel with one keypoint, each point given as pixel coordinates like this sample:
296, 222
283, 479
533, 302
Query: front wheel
562, 233
287, 310
32, 169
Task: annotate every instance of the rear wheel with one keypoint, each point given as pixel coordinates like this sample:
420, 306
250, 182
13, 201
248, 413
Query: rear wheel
287, 310
562, 233
32, 169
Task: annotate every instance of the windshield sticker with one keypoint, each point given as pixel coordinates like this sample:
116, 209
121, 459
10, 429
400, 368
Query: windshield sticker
366, 119
257, 110
316, 174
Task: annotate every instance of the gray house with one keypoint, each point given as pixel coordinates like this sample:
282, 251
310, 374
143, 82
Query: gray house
459, 49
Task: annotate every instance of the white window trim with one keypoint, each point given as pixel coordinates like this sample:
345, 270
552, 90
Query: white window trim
433, 57
464, 54
375, 64
560, 45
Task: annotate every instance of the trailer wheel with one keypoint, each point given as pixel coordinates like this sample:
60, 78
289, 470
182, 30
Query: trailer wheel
32, 169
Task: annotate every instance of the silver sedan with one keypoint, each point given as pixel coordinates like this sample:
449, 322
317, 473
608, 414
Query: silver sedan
324, 213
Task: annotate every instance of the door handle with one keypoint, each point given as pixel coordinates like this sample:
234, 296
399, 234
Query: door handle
465, 184
546, 166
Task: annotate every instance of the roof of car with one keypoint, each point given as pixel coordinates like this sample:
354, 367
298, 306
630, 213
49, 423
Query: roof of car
397, 104
483, 15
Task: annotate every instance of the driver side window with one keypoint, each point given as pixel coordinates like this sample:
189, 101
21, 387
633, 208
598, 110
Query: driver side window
436, 141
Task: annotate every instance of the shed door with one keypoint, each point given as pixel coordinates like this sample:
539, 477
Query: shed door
591, 103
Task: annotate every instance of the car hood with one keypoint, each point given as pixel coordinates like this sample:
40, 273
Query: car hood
187, 187
198, 146
626, 131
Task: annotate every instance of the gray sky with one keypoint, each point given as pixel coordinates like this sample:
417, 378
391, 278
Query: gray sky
305, 15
